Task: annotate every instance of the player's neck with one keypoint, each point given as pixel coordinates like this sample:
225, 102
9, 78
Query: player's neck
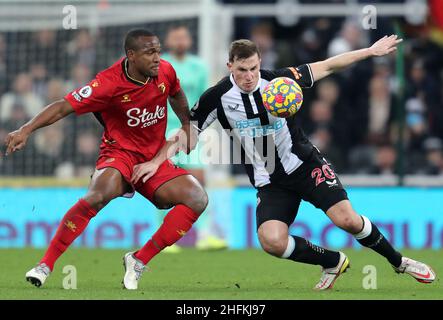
135, 74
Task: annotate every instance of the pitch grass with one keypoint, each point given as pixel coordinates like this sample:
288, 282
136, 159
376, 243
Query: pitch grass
224, 275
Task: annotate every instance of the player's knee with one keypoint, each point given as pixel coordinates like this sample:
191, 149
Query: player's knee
97, 200
273, 243
350, 222
197, 199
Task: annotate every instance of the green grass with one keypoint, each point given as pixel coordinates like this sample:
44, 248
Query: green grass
249, 274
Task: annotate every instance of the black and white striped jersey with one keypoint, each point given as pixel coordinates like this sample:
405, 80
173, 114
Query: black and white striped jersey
270, 147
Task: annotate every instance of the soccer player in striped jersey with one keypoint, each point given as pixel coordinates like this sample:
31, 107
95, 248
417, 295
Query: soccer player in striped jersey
285, 167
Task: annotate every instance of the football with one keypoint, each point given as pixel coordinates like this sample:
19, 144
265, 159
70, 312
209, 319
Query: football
282, 97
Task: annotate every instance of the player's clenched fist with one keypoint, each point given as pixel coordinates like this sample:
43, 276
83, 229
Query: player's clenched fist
16, 140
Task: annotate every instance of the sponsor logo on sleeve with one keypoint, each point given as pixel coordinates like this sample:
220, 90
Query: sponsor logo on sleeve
85, 92
296, 73
76, 96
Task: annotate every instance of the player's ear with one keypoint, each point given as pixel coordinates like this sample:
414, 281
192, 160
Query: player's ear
229, 65
130, 54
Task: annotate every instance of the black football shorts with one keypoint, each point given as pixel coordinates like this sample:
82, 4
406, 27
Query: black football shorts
314, 181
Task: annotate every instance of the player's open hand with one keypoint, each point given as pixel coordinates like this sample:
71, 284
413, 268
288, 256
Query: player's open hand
144, 171
385, 45
16, 140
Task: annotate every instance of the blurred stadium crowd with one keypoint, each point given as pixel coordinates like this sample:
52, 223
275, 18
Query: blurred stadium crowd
354, 117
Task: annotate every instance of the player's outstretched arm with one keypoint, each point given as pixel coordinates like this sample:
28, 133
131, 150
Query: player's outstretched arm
382, 47
57, 110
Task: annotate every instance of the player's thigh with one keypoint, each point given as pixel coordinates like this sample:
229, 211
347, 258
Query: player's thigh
317, 183
198, 173
276, 203
106, 184
183, 189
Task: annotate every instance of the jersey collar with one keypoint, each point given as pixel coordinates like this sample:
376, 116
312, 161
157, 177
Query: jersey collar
231, 77
129, 78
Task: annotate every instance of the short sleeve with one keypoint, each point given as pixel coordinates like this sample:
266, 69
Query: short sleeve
204, 112
93, 97
306, 80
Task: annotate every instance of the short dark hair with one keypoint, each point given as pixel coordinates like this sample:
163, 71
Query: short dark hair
242, 49
133, 35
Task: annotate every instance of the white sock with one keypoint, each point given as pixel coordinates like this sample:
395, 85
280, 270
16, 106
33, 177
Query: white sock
366, 231
290, 248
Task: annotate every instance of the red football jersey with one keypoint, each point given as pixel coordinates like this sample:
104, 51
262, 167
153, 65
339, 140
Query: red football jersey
133, 113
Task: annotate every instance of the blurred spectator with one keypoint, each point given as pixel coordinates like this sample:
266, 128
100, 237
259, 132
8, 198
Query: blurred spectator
274, 54
80, 76
436, 114
416, 127
383, 69
322, 139
361, 159
321, 115
193, 74
86, 153
49, 140
385, 160
433, 147
18, 114
192, 71
44, 51
421, 83
81, 50
39, 77
379, 110
350, 38
55, 90
2, 64
21, 97
328, 91
310, 47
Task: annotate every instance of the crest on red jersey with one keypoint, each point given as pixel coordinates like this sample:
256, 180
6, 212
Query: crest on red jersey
162, 87
126, 98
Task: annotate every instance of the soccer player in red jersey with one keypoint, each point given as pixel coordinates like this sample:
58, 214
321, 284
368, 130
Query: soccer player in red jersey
130, 100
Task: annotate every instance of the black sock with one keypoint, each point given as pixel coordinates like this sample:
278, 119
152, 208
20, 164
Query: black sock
306, 252
377, 242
